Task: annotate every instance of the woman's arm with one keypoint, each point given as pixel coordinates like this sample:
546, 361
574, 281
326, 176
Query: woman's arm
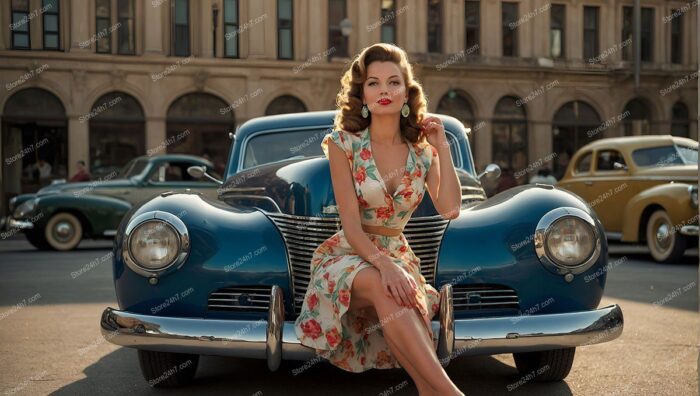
445, 189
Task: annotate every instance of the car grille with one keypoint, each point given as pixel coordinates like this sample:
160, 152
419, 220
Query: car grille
240, 299
482, 297
303, 235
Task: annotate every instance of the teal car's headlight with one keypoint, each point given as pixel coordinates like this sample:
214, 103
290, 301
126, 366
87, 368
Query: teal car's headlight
567, 241
693, 191
155, 243
24, 209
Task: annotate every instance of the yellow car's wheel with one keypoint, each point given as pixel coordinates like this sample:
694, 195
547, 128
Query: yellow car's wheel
665, 243
63, 231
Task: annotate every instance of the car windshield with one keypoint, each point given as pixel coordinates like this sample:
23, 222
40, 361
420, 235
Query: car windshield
665, 156
133, 168
270, 147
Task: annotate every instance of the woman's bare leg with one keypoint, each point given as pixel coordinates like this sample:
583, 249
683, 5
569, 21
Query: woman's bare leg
402, 330
424, 388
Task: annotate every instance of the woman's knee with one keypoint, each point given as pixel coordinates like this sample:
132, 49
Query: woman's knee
364, 287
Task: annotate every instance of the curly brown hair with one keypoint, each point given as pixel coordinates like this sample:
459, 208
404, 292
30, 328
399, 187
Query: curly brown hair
349, 98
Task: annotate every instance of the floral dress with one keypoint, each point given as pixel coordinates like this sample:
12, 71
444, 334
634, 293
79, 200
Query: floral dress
349, 339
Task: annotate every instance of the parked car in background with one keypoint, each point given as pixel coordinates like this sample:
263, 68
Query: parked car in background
61, 215
643, 188
521, 272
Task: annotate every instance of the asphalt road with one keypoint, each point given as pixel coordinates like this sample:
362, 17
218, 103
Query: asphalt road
50, 341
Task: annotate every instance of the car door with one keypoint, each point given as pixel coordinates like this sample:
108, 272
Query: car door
611, 188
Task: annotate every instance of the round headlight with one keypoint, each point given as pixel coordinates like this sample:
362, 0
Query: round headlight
570, 241
154, 244
25, 208
567, 241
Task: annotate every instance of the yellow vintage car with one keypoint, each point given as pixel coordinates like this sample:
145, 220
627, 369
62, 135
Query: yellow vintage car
643, 188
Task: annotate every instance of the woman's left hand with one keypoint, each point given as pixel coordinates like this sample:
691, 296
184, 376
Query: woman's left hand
434, 130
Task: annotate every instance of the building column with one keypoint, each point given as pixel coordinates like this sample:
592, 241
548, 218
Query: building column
155, 135
255, 33
78, 143
153, 41
79, 28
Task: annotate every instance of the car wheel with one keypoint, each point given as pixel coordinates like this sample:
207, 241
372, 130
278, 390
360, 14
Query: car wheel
552, 365
165, 369
37, 240
664, 243
63, 231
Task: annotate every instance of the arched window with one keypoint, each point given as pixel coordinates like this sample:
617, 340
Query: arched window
117, 133
680, 122
509, 144
285, 104
199, 124
34, 142
575, 124
638, 120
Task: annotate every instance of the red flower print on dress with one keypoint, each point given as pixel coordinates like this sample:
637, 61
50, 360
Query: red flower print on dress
385, 212
365, 154
348, 348
406, 194
403, 249
311, 328
417, 172
333, 337
383, 359
436, 307
312, 301
362, 202
361, 174
344, 297
331, 286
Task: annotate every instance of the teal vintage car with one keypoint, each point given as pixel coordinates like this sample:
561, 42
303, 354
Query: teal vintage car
61, 215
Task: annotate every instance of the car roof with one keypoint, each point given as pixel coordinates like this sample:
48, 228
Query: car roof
624, 143
317, 119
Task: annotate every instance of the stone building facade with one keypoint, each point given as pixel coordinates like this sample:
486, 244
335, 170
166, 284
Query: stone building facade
105, 80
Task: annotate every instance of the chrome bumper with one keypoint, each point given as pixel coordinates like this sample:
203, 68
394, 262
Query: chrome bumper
275, 339
689, 230
19, 224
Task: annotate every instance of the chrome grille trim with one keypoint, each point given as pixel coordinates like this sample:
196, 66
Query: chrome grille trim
302, 235
227, 299
488, 296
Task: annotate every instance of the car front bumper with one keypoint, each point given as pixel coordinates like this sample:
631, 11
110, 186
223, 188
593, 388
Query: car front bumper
275, 339
19, 224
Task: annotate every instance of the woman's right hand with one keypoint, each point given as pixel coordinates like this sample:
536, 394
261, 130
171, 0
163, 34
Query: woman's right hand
398, 283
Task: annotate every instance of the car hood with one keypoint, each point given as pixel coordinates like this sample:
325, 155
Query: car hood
303, 187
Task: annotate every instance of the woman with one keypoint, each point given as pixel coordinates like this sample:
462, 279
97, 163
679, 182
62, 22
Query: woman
367, 304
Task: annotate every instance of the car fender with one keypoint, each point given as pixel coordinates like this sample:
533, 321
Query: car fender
228, 247
99, 213
672, 197
493, 243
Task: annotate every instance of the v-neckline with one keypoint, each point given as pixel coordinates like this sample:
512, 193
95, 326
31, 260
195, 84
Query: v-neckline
379, 174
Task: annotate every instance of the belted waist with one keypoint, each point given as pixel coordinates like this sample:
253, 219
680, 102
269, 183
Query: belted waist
381, 230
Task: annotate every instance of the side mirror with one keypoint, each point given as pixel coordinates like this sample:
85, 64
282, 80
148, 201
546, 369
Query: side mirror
492, 171
199, 172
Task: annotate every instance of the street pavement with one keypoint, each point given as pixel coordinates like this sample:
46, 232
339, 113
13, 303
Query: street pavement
50, 341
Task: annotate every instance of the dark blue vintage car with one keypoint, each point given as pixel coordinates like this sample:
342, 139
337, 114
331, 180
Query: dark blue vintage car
521, 272
59, 216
